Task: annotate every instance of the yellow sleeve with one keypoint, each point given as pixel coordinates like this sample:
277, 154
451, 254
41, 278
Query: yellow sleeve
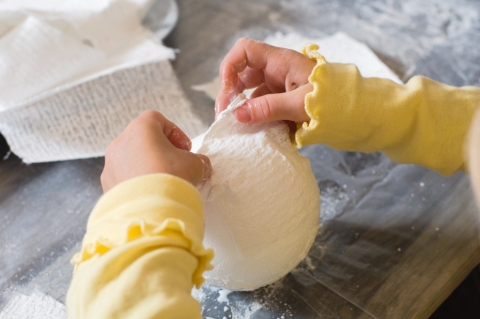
422, 122
142, 252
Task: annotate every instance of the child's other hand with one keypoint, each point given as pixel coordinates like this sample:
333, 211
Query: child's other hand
152, 144
280, 76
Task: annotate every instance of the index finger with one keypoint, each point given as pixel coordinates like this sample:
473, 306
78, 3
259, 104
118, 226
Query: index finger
173, 133
245, 52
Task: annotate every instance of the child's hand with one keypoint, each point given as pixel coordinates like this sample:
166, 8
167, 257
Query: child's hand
152, 144
281, 78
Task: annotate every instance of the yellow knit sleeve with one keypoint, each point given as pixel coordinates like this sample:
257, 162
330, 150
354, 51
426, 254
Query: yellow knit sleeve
142, 252
422, 122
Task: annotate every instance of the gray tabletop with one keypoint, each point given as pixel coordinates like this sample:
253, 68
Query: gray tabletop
395, 240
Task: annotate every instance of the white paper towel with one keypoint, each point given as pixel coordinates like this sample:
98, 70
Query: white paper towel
57, 47
73, 74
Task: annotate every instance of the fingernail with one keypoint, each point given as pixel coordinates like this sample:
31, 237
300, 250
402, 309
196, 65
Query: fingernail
183, 145
188, 145
228, 84
225, 87
206, 170
244, 113
217, 108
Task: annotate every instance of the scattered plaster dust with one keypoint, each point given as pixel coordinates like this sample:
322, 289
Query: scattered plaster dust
249, 310
267, 302
333, 199
223, 295
309, 263
34, 306
7, 155
262, 202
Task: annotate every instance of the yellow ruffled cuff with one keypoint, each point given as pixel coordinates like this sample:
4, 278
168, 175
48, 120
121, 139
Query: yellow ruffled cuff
303, 129
422, 122
161, 206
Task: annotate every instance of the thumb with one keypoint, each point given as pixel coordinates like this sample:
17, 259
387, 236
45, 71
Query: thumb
202, 169
275, 107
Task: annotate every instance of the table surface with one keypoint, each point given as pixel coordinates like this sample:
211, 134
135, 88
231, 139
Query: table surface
395, 240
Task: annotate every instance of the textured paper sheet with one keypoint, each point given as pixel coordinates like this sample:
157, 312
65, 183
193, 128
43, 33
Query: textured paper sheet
44, 50
74, 74
80, 122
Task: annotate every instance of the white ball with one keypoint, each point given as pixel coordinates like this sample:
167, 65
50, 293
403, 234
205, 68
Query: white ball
262, 202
